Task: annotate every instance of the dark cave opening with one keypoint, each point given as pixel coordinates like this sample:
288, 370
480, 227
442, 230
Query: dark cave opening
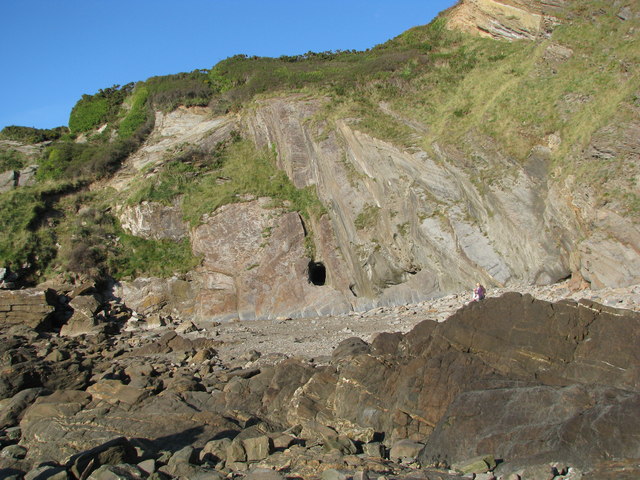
317, 273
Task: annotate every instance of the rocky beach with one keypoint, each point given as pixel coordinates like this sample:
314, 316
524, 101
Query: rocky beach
383, 393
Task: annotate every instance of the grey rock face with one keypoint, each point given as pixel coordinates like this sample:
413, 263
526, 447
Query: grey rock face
27, 176
446, 229
154, 221
8, 181
401, 226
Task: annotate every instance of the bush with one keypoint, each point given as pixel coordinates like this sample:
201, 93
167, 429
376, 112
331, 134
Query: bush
97, 159
11, 159
23, 244
138, 114
91, 111
170, 91
32, 135
135, 256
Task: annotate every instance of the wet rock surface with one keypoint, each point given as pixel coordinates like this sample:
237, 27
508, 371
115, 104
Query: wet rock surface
511, 387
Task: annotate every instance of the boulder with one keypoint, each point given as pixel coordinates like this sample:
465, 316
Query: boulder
47, 472
8, 180
28, 307
257, 447
11, 409
477, 465
215, 450
117, 472
405, 451
158, 296
83, 320
115, 392
27, 176
263, 474
115, 452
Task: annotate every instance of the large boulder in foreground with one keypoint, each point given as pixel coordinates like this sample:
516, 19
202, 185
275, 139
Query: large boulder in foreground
516, 377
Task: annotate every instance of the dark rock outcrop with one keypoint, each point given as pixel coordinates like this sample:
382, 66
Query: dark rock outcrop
496, 373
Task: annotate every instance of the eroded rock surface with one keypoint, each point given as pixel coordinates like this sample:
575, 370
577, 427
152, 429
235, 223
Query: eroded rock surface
505, 19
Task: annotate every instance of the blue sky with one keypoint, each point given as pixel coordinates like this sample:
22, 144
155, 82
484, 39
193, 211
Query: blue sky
53, 51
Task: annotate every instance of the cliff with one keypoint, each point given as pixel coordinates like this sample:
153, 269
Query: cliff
506, 19
429, 163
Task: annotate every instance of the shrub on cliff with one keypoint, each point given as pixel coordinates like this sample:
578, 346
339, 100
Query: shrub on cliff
91, 111
31, 135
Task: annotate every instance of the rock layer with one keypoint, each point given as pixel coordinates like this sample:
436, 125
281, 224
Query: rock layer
402, 225
504, 19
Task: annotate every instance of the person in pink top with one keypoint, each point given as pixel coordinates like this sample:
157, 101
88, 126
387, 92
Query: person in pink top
478, 293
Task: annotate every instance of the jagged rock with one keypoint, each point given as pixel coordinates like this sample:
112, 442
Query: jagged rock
184, 455
257, 447
215, 450
115, 392
11, 409
236, 452
405, 451
57, 355
28, 307
481, 464
154, 296
47, 473
374, 449
185, 419
263, 474
16, 452
350, 347
8, 181
361, 475
83, 320
117, 472
333, 474
148, 466
340, 443
503, 19
27, 176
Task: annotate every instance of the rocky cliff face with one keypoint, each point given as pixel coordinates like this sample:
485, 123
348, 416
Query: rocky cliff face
401, 225
506, 19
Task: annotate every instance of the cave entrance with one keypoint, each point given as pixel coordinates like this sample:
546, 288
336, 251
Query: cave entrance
317, 273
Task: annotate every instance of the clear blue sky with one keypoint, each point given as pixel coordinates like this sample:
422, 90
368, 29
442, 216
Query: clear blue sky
53, 51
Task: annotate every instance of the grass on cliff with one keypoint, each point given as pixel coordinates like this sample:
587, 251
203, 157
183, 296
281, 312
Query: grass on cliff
476, 94
27, 243
92, 242
239, 170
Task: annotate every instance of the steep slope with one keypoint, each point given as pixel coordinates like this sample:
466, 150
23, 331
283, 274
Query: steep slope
421, 166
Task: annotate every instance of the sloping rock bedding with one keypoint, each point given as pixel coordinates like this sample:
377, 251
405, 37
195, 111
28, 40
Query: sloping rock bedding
510, 387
